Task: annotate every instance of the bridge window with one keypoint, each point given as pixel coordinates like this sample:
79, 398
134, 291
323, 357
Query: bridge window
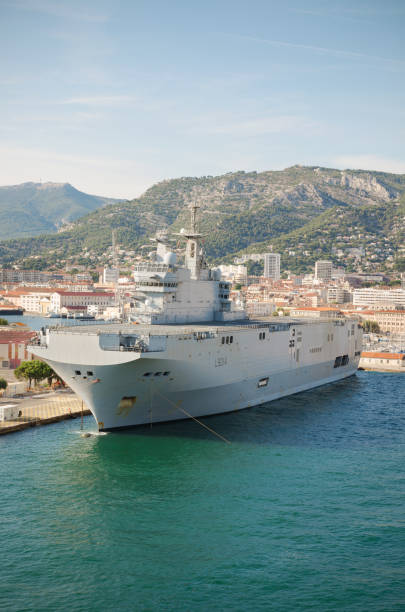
89, 373
78, 373
147, 373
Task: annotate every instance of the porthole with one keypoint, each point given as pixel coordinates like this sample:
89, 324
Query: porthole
147, 373
166, 373
158, 373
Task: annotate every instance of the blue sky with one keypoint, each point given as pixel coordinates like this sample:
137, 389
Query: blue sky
113, 96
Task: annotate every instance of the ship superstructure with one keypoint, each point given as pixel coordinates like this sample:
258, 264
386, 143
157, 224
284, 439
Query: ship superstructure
190, 351
168, 293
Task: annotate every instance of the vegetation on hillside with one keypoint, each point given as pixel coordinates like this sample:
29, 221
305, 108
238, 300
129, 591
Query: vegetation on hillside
305, 213
34, 208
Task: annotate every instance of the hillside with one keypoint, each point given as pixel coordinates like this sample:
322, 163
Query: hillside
303, 212
36, 208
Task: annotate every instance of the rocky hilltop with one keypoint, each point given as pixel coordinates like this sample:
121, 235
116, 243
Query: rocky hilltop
241, 211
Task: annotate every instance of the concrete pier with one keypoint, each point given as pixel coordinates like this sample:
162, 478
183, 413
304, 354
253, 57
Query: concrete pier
43, 409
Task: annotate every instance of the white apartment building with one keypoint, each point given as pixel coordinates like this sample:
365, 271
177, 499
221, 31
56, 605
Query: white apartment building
249, 257
237, 274
323, 270
23, 276
272, 266
378, 297
36, 302
110, 276
66, 299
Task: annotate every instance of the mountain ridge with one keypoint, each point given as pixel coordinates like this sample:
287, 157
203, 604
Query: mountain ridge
38, 208
239, 211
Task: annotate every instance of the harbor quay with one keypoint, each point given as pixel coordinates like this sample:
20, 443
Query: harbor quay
44, 408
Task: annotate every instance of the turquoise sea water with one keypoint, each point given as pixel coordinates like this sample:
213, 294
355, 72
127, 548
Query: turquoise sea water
304, 510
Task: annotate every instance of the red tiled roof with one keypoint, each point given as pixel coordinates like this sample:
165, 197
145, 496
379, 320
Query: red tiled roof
19, 337
377, 355
317, 308
92, 293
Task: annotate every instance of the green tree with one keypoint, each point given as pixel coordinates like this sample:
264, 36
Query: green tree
34, 370
3, 321
3, 384
371, 326
400, 264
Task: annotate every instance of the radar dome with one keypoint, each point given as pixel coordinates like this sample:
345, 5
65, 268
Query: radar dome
170, 258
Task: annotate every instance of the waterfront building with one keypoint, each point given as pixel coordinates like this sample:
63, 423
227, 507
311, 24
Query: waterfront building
272, 266
72, 300
323, 270
13, 346
391, 362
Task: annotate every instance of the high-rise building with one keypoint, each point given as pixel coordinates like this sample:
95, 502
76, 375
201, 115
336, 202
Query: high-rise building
323, 270
272, 265
110, 276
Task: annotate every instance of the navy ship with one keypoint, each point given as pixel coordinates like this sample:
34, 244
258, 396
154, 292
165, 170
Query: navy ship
189, 351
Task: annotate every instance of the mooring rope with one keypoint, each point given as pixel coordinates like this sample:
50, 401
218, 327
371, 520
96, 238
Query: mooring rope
190, 416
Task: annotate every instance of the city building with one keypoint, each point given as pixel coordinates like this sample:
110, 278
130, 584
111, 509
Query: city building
379, 297
272, 266
392, 362
23, 276
323, 270
392, 321
74, 300
249, 257
13, 346
36, 302
235, 274
338, 295
320, 312
110, 276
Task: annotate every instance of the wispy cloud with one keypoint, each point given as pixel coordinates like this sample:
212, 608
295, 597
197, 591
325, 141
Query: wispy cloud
323, 50
62, 10
250, 127
100, 100
370, 162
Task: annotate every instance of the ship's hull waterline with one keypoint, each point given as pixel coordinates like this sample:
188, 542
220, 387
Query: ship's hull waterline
195, 374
